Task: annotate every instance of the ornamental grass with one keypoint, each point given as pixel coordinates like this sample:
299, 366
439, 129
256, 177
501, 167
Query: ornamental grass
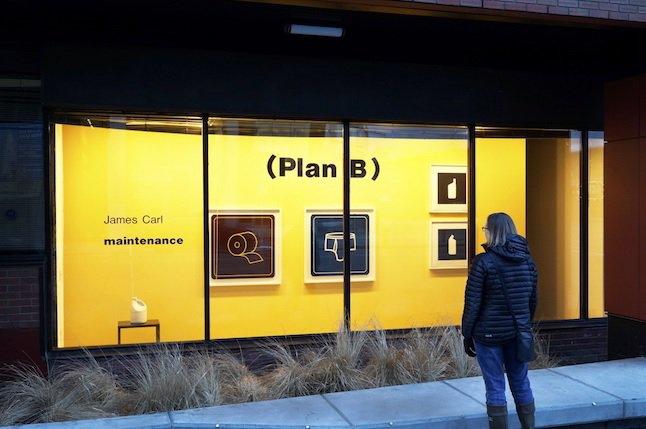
170, 377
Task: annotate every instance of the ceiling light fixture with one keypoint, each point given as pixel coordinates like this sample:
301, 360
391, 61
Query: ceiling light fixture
315, 30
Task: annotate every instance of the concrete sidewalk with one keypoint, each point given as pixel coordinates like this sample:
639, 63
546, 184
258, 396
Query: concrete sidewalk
613, 391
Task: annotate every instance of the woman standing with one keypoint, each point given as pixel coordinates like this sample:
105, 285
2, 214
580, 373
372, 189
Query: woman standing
488, 325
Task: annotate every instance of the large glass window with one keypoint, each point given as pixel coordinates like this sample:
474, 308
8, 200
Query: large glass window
408, 197
128, 223
595, 225
275, 210
534, 176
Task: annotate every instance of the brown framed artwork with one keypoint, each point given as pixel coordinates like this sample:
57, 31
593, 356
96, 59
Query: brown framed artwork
244, 247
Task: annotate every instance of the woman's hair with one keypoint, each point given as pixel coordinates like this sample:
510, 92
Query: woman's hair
501, 227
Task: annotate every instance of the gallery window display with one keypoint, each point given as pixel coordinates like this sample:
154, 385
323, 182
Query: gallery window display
275, 191
171, 229
418, 201
129, 224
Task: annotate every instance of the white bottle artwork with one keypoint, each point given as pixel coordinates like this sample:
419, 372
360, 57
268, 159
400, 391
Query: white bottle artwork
453, 246
138, 311
452, 189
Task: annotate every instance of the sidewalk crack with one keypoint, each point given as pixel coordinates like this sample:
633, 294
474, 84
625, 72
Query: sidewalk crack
465, 394
337, 410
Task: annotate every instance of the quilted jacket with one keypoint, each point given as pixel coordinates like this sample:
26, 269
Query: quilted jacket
486, 316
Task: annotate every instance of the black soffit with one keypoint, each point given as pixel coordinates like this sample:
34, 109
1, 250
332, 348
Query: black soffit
237, 26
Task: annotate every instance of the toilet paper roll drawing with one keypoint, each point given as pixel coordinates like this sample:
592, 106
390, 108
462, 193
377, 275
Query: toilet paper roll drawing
244, 245
334, 244
138, 311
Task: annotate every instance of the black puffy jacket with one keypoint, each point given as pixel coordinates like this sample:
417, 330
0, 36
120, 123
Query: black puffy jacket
486, 316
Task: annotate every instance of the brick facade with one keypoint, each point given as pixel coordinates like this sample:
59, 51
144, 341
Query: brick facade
20, 315
582, 343
623, 10
19, 298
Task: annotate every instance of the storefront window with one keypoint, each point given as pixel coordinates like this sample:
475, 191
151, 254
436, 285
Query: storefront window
408, 198
275, 204
128, 223
534, 177
595, 225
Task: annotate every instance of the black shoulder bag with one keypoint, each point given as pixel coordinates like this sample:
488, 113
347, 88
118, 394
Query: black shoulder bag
524, 337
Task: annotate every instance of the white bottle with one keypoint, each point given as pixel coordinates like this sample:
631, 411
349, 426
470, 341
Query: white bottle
138, 311
452, 189
453, 245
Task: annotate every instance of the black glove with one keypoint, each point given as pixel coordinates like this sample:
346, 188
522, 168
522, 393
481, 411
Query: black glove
469, 347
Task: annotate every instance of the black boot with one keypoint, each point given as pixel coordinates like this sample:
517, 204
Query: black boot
526, 415
497, 416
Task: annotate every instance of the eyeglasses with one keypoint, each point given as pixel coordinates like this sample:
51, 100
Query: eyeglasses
484, 228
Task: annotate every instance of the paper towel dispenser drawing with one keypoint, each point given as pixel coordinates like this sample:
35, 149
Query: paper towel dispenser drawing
138, 311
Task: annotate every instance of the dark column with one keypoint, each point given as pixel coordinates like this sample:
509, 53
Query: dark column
624, 222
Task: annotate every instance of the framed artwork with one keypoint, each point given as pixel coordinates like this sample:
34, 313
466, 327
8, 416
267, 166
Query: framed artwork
324, 246
448, 245
449, 189
244, 247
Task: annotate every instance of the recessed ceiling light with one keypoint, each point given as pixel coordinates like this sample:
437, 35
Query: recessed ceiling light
315, 30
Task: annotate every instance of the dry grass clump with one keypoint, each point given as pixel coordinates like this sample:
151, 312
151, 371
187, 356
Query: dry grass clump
334, 367
166, 377
416, 358
172, 379
338, 368
159, 380
71, 392
543, 357
204, 374
460, 364
292, 374
237, 383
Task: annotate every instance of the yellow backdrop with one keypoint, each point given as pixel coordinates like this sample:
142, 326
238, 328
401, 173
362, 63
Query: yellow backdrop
109, 173
239, 179
406, 292
119, 174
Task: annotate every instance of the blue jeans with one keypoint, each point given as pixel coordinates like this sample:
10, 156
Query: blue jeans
494, 361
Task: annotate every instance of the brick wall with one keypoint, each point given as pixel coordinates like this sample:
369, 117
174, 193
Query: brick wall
577, 344
19, 297
19, 315
624, 10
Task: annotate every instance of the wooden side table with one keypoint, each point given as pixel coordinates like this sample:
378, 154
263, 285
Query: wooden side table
126, 324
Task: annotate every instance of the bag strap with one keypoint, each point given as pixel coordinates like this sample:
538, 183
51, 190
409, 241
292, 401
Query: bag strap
504, 291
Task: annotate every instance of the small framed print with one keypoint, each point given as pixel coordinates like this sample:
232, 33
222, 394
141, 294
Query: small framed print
325, 252
449, 189
448, 245
244, 247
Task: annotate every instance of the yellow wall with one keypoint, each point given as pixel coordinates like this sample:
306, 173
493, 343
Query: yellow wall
131, 173
118, 173
406, 291
500, 183
238, 179
553, 219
